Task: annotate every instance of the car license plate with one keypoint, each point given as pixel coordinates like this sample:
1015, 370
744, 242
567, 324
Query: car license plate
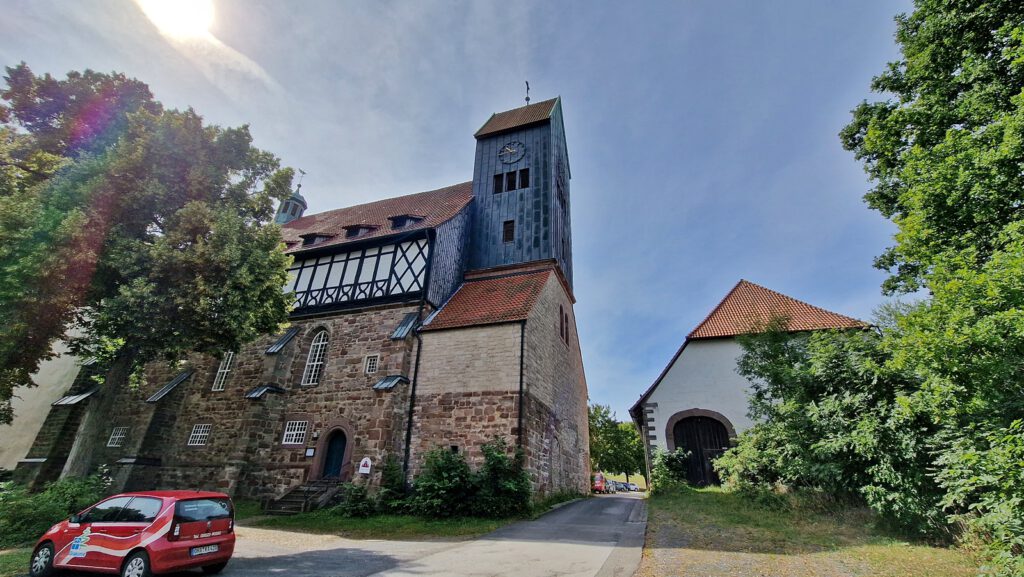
203, 550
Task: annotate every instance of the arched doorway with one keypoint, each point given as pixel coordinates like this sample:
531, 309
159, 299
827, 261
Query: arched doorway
334, 455
705, 438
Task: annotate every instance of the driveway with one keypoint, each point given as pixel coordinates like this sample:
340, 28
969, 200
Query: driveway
598, 537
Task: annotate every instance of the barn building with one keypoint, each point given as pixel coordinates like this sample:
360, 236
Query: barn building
437, 319
699, 401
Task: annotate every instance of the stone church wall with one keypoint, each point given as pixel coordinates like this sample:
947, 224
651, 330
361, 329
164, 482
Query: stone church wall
557, 435
244, 454
467, 390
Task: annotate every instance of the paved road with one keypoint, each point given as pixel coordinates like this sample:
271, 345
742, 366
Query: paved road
599, 537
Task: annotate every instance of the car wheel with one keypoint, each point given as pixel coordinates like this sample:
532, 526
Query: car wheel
41, 563
214, 569
137, 565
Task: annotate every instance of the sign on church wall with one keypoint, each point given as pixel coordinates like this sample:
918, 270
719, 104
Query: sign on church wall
358, 275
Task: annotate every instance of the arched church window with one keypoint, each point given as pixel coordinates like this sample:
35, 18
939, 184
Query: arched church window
316, 359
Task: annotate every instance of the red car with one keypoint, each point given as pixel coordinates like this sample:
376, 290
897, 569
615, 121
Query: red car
141, 534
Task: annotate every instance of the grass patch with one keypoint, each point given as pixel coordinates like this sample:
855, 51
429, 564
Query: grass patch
14, 562
398, 527
246, 509
713, 532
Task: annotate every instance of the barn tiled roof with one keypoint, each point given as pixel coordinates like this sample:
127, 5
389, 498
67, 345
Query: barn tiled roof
522, 116
749, 304
746, 305
491, 301
433, 207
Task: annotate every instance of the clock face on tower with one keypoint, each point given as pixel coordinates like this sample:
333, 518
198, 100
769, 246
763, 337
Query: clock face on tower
512, 152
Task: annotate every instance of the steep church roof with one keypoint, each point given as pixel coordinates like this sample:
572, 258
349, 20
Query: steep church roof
491, 301
518, 117
427, 209
748, 305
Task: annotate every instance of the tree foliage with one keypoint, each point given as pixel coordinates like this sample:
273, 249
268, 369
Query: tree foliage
944, 378
144, 230
614, 447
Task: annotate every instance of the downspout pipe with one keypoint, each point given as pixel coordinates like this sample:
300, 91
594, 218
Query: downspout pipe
416, 369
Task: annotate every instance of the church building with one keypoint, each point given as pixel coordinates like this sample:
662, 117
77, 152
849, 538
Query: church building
440, 319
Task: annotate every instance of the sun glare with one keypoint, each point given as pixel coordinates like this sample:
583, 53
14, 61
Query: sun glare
180, 19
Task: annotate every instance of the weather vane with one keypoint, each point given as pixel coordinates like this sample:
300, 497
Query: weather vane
527, 92
302, 173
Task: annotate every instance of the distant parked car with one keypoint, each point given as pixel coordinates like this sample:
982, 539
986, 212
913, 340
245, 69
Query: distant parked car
139, 534
633, 487
600, 483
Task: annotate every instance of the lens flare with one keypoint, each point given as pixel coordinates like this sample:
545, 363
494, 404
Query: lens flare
180, 19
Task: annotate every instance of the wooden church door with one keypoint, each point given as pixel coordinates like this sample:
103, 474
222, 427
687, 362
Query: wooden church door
705, 438
334, 460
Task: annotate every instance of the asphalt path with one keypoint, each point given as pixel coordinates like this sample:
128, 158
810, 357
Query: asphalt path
598, 537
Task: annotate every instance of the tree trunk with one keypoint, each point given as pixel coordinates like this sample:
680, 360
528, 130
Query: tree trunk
96, 418
627, 478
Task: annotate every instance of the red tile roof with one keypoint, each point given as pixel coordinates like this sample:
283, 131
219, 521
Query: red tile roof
749, 304
746, 305
435, 207
491, 301
522, 116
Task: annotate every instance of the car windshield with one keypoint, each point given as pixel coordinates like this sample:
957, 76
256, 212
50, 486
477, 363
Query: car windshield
202, 509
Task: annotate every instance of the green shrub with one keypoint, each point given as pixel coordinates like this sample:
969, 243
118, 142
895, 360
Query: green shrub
392, 497
356, 502
502, 487
25, 516
445, 486
668, 470
984, 482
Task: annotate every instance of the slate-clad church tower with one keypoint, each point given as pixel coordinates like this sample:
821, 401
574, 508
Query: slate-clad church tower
440, 319
521, 189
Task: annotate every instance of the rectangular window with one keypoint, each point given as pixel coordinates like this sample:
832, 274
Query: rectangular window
200, 434
508, 231
295, 432
499, 183
222, 371
510, 181
117, 436
370, 364
524, 178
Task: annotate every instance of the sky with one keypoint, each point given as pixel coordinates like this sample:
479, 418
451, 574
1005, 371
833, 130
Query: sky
702, 134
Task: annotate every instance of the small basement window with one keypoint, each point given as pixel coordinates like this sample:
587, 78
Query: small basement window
295, 432
117, 436
222, 371
200, 434
508, 231
371, 363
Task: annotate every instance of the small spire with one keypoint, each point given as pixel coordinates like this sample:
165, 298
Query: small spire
298, 187
527, 92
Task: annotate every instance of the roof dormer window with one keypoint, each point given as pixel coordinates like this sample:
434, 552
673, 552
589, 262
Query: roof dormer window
357, 230
314, 238
403, 220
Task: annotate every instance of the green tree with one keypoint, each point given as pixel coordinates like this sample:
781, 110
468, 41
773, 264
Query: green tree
614, 447
944, 149
145, 231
